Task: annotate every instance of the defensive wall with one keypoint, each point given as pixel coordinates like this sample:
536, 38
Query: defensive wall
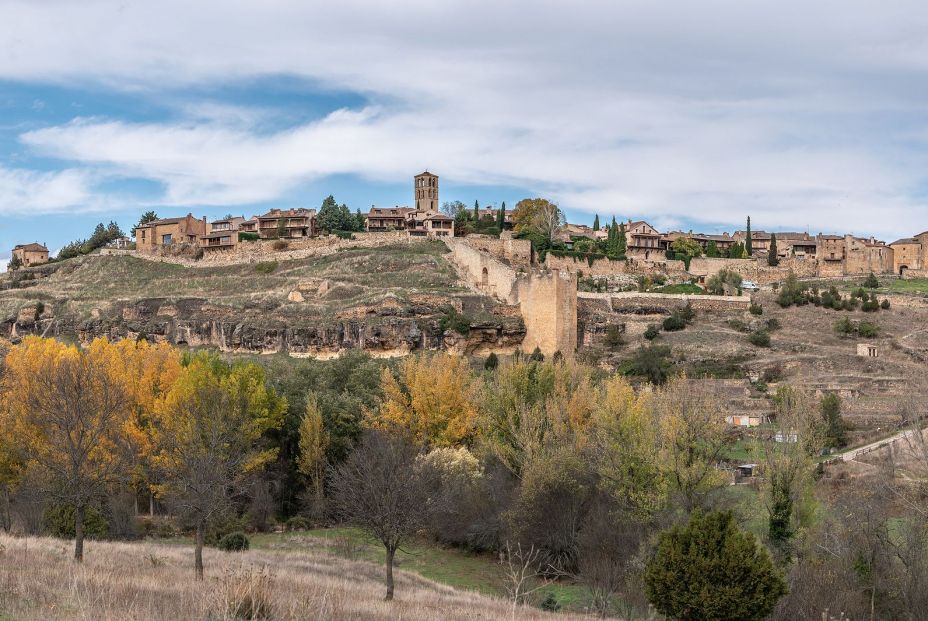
755, 270
637, 303
547, 298
604, 266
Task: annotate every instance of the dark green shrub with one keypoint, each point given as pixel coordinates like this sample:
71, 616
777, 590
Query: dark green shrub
652, 332
867, 329
454, 321
613, 339
298, 522
711, 569
687, 312
491, 362
651, 362
344, 235
760, 338
266, 267
58, 521
871, 281
674, 322
773, 324
884, 304
550, 603
536, 355
756, 309
844, 327
870, 306
233, 542
249, 237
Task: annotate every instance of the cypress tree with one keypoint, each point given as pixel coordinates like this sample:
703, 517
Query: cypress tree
501, 218
748, 246
772, 258
476, 211
596, 223
621, 244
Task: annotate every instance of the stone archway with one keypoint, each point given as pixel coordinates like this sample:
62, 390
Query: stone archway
903, 269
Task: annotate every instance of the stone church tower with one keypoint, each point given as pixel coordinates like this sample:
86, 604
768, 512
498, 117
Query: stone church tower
426, 191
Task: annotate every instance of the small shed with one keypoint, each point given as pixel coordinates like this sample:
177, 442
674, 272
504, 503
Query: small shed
868, 350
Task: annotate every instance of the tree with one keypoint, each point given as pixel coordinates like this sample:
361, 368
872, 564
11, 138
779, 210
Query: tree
381, 489
712, 249
491, 362
539, 216
596, 223
871, 281
501, 218
453, 208
621, 243
69, 410
710, 569
334, 217
314, 442
748, 240
686, 246
835, 431
148, 216
431, 399
14, 264
476, 211
772, 259
209, 437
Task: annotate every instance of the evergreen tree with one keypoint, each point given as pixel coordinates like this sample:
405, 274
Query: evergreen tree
148, 216
501, 218
748, 244
712, 249
476, 211
835, 432
491, 362
711, 569
596, 223
360, 222
772, 259
621, 244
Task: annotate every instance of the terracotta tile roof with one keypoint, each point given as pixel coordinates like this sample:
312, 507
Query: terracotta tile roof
32, 247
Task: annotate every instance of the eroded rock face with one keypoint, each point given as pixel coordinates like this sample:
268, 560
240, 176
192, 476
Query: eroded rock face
390, 330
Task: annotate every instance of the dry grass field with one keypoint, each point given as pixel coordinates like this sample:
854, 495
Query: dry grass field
152, 582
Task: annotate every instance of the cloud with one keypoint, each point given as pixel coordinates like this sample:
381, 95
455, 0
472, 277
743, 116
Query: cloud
27, 191
801, 115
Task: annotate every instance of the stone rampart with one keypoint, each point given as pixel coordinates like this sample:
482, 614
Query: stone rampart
610, 267
483, 271
516, 252
637, 303
755, 270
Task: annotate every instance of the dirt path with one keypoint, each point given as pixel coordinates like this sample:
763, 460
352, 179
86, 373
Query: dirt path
852, 454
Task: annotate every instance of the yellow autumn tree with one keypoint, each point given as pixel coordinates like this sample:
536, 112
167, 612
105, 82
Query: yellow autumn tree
313, 443
68, 411
208, 435
431, 399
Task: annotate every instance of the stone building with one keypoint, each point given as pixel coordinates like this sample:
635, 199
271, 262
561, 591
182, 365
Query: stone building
223, 234
426, 191
287, 224
910, 254
851, 256
643, 240
169, 231
31, 254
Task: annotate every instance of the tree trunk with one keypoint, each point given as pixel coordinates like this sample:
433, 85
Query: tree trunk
79, 533
151, 505
198, 552
390, 554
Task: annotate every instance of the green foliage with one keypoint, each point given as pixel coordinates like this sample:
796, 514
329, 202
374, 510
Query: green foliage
148, 216
550, 603
686, 247
613, 339
491, 362
717, 282
101, 236
756, 309
674, 323
651, 332
536, 355
748, 240
454, 321
58, 521
266, 267
867, 329
596, 223
14, 264
884, 304
333, 217
772, 259
871, 281
792, 292
298, 522
234, 542
651, 362
244, 236
711, 569
760, 338
779, 524
712, 250
835, 429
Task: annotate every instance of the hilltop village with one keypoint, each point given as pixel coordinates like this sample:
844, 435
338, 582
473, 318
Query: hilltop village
808, 255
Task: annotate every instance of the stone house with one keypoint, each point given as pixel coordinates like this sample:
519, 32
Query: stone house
428, 224
249, 226
223, 234
494, 213
287, 224
381, 219
722, 242
169, 231
910, 254
643, 240
31, 254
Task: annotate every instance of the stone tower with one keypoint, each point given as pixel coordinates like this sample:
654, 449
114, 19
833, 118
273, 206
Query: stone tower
426, 185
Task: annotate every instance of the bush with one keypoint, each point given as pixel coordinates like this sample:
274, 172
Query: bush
233, 542
550, 603
870, 306
652, 332
298, 522
344, 234
651, 362
454, 321
249, 237
871, 281
867, 329
760, 338
280, 244
711, 569
773, 324
756, 309
198, 254
491, 362
884, 304
613, 338
536, 355
687, 312
58, 521
844, 327
674, 322
266, 267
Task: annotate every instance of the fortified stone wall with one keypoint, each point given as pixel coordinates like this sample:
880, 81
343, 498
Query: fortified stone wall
548, 301
516, 252
637, 303
609, 267
755, 270
483, 271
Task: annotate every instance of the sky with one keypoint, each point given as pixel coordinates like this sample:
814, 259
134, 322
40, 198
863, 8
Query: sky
691, 115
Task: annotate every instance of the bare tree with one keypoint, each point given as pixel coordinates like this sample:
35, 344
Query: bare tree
522, 573
380, 489
79, 447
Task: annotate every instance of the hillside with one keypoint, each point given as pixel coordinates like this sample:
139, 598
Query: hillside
378, 298
152, 582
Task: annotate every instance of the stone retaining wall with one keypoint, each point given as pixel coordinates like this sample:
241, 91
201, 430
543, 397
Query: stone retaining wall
635, 302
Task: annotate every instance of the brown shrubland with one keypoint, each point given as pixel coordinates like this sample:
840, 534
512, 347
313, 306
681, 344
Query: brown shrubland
148, 581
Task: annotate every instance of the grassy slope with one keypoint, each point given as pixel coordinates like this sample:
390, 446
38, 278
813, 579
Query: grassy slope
154, 582
357, 276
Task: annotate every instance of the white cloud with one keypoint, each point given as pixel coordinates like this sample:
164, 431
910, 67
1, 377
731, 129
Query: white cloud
27, 191
794, 112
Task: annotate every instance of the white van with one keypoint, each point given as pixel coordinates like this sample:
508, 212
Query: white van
749, 285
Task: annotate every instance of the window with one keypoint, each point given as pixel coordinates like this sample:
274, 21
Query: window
166, 239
